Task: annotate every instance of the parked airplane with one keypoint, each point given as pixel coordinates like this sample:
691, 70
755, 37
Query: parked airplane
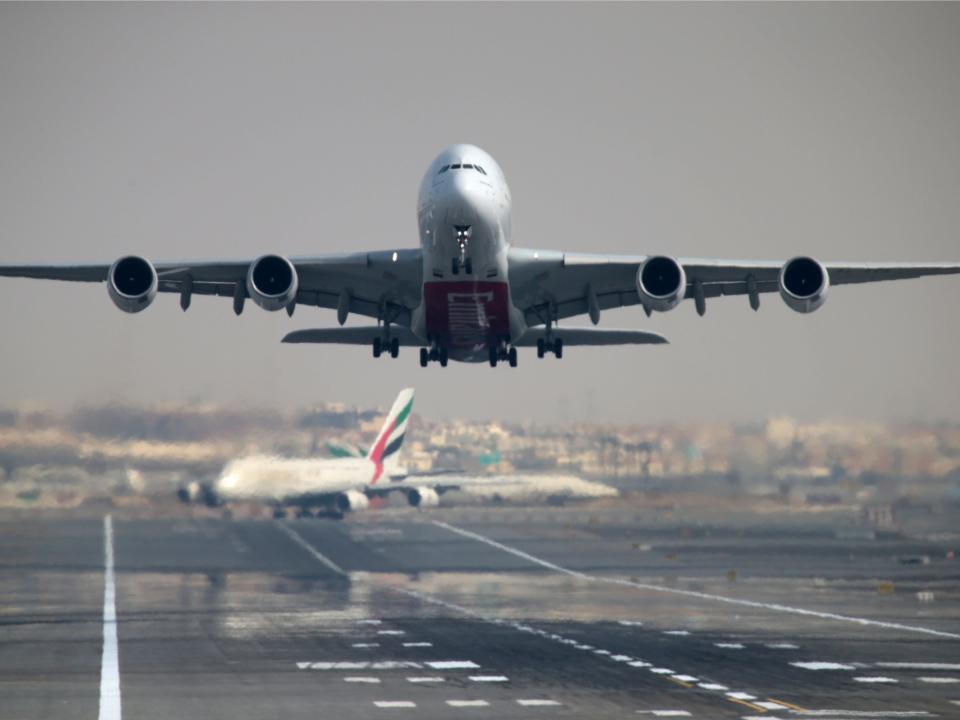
330, 486
466, 294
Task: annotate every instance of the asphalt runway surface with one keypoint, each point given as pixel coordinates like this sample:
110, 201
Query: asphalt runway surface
471, 613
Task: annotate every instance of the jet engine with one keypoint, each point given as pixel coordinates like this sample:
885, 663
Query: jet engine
352, 500
423, 497
661, 283
272, 282
803, 284
132, 283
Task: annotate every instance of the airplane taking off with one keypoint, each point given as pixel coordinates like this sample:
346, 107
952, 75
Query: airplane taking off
466, 294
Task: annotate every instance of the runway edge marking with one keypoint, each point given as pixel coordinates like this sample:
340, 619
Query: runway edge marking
110, 660
693, 593
298, 539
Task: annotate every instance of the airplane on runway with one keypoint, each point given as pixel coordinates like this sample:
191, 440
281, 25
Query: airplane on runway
466, 294
331, 487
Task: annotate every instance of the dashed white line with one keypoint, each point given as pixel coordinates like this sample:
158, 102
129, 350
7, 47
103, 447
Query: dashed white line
418, 644
693, 593
685, 678
940, 680
862, 713
712, 686
358, 679
394, 704
391, 632
821, 665
875, 679
366, 645
489, 678
665, 713
426, 679
630, 623
452, 664
467, 703
662, 671
741, 696
919, 665
730, 646
538, 703
369, 622
676, 632
783, 646
110, 660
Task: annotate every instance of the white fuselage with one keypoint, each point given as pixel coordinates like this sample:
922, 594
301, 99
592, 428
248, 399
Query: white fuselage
464, 213
280, 480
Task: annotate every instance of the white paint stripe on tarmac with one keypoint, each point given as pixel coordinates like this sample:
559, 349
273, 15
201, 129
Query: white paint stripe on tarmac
425, 679
394, 704
298, 539
918, 665
362, 679
467, 703
110, 661
538, 703
693, 593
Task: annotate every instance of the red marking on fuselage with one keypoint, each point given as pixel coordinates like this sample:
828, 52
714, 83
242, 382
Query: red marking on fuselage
466, 313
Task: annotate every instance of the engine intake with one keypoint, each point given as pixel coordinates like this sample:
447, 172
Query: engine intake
423, 497
352, 500
661, 283
803, 284
132, 283
272, 282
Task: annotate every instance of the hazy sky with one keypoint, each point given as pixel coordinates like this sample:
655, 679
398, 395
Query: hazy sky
737, 131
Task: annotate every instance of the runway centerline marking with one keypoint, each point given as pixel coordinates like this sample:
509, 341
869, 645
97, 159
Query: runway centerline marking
691, 593
317, 555
110, 660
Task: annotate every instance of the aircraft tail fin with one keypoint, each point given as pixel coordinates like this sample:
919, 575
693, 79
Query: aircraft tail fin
385, 451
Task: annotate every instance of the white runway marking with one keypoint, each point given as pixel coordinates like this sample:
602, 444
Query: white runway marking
538, 703
425, 679
452, 665
638, 664
110, 660
685, 678
676, 632
621, 658
317, 555
783, 646
741, 696
665, 713
767, 705
942, 680
467, 703
361, 679
693, 593
861, 713
662, 671
630, 623
391, 632
918, 665
394, 704
359, 665
730, 646
418, 644
489, 678
875, 679
369, 622
820, 665
366, 645
713, 686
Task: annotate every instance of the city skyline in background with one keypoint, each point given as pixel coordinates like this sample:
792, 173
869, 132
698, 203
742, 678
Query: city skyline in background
717, 131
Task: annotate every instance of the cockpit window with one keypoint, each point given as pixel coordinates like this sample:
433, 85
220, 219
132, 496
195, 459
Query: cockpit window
455, 167
467, 167
480, 169
443, 169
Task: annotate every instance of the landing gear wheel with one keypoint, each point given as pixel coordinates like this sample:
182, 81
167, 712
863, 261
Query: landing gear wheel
455, 266
377, 347
443, 357
494, 356
512, 356
468, 266
394, 347
541, 348
424, 357
558, 348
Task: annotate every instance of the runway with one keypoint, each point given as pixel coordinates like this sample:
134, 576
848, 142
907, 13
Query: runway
466, 613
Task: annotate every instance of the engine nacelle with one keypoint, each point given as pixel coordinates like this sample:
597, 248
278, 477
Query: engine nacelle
803, 284
661, 283
423, 497
272, 282
352, 500
132, 283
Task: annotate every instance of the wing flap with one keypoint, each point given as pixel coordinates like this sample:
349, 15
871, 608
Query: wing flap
592, 336
351, 336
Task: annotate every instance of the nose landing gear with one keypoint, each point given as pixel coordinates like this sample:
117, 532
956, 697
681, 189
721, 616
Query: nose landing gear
462, 235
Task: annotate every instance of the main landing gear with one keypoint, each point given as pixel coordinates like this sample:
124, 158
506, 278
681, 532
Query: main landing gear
555, 346
434, 354
503, 351
388, 345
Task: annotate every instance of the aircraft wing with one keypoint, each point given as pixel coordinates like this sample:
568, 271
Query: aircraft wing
592, 336
370, 281
351, 336
554, 285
